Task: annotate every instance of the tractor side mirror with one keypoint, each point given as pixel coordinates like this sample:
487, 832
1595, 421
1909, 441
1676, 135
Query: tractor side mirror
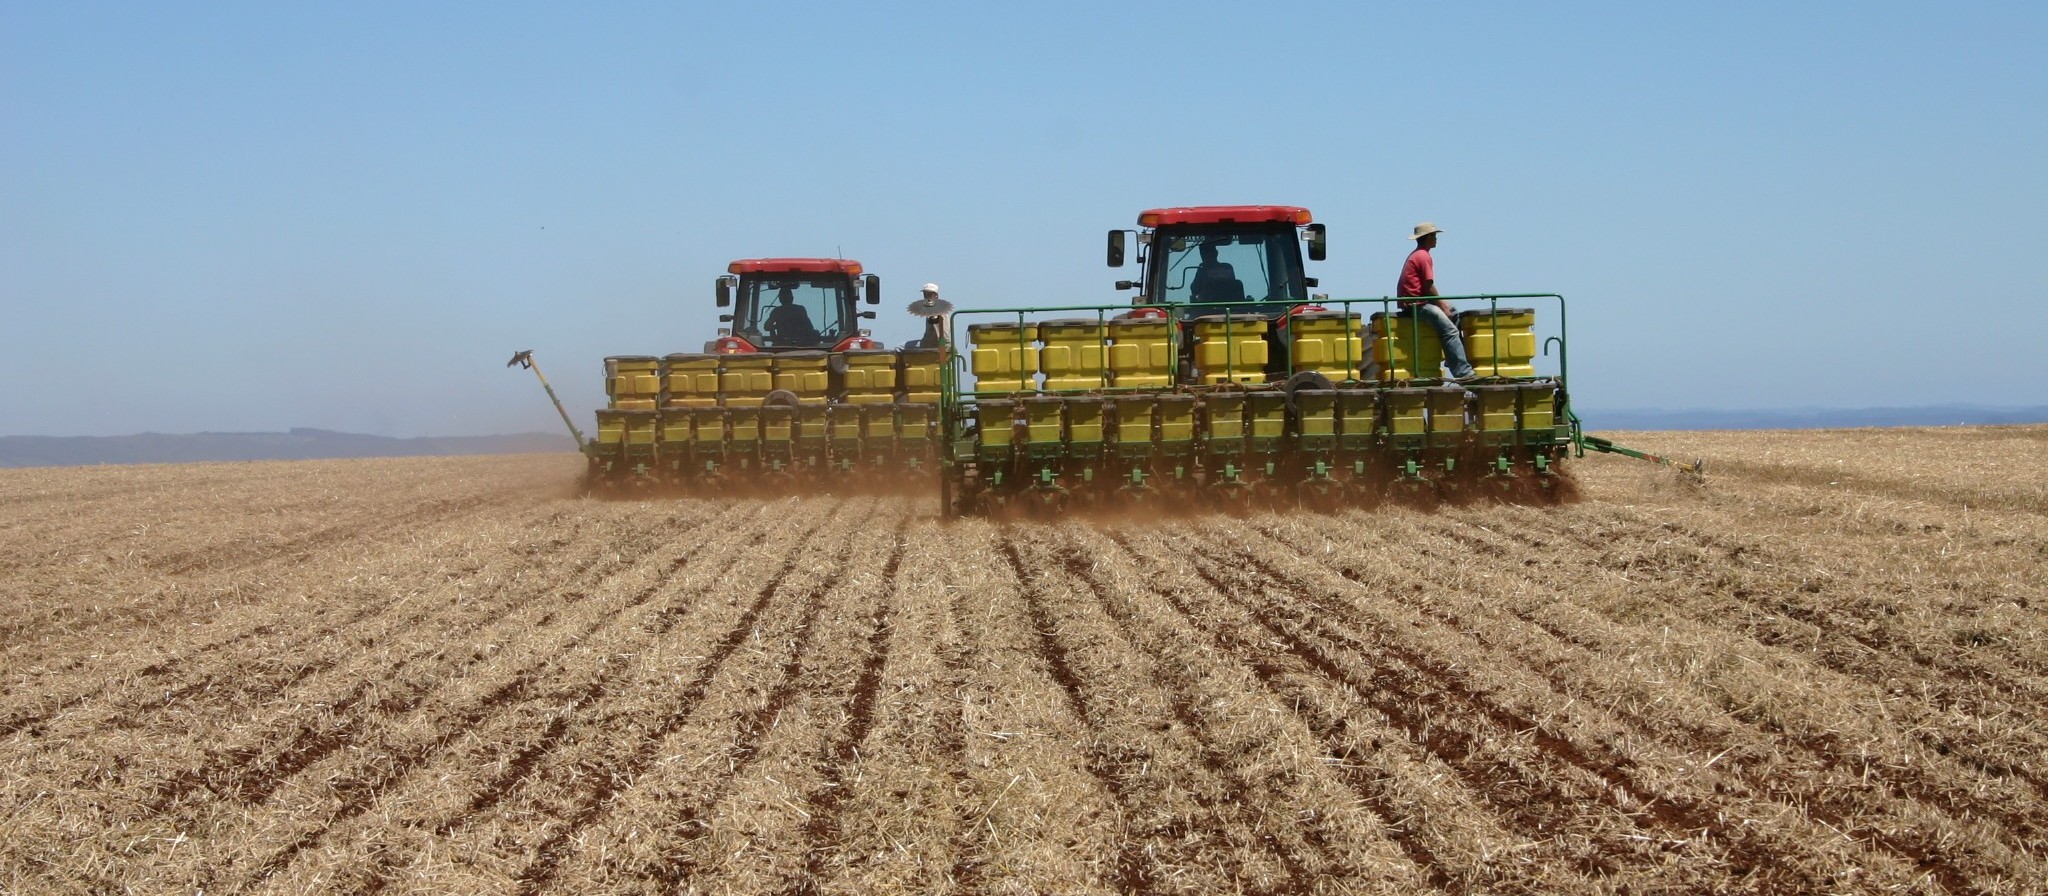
1318, 243
725, 292
1116, 248
874, 285
725, 318
868, 315
1310, 282
1127, 284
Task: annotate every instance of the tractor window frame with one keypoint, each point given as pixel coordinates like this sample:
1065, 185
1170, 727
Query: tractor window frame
1270, 271
827, 299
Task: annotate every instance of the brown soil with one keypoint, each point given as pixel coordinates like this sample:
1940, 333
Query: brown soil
1821, 669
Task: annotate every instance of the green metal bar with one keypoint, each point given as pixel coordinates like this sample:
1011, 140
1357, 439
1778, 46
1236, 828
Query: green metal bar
1603, 445
525, 359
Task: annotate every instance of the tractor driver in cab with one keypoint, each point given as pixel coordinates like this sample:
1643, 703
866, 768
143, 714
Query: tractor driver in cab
1215, 281
789, 323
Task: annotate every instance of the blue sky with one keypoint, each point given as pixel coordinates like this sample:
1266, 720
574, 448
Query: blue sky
220, 216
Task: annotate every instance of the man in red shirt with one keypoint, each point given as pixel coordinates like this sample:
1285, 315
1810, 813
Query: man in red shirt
1418, 280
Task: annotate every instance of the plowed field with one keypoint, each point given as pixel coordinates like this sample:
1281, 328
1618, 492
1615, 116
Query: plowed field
1823, 670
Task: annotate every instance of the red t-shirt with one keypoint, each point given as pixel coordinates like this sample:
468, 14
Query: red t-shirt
1416, 272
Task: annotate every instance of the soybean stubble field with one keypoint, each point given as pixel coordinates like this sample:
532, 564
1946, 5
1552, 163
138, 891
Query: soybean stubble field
1822, 670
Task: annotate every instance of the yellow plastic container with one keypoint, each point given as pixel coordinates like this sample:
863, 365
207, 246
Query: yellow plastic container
806, 373
914, 421
708, 427
1326, 342
811, 422
1141, 352
745, 423
995, 423
1268, 414
1133, 421
642, 427
1084, 421
1495, 408
870, 376
1073, 354
676, 431
1176, 419
1358, 416
878, 422
1509, 332
919, 374
1402, 348
1446, 410
632, 382
1231, 348
692, 380
844, 423
778, 424
1043, 419
746, 379
1405, 414
1318, 409
1538, 405
1226, 418
1004, 356
611, 427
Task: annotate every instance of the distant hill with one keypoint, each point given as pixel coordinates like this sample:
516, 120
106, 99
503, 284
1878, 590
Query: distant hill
1809, 418
298, 444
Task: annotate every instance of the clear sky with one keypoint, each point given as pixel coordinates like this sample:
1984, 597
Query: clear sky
254, 216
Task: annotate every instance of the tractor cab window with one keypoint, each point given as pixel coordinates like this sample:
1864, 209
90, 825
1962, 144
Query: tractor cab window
793, 310
1230, 264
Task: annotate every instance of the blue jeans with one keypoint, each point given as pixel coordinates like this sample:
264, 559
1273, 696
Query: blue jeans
1447, 333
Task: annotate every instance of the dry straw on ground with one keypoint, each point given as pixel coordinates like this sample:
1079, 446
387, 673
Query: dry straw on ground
1821, 670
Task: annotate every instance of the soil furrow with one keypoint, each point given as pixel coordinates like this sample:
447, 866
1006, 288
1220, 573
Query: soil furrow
549, 855
1241, 794
251, 773
822, 832
1132, 863
359, 792
1250, 641
1674, 814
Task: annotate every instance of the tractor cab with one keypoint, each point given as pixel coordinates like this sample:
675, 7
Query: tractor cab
1222, 254
793, 304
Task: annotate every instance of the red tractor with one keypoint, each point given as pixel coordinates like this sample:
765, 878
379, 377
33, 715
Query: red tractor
794, 304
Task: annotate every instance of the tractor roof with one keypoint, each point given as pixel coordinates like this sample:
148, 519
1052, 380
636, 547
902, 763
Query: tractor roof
1225, 214
788, 265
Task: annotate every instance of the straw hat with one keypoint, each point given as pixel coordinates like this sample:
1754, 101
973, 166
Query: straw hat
1424, 229
931, 305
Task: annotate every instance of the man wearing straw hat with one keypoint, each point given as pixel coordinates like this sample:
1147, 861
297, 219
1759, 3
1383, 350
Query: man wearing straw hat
1418, 280
938, 317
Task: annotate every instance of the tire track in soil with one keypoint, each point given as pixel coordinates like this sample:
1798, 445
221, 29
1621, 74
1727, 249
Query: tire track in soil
826, 801
1240, 794
1669, 812
144, 703
1827, 805
1132, 858
238, 778
358, 796
540, 873
1417, 693
1950, 685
